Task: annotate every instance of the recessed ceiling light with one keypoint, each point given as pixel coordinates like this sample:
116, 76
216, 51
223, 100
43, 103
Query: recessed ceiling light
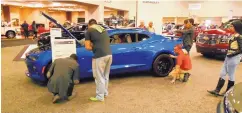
56, 4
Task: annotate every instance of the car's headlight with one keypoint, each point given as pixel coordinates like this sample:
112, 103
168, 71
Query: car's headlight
224, 39
33, 57
33, 54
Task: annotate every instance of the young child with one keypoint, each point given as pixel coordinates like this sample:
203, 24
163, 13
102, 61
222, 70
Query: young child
183, 65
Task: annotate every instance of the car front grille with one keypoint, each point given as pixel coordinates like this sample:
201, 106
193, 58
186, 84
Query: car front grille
208, 39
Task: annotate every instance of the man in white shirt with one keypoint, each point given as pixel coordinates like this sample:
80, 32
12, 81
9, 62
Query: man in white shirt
150, 27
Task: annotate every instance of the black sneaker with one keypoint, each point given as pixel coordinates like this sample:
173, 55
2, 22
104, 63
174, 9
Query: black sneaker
186, 77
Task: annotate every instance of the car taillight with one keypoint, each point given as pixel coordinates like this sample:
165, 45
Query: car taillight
43, 70
224, 39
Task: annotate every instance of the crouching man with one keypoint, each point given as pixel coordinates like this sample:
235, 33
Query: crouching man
183, 65
63, 74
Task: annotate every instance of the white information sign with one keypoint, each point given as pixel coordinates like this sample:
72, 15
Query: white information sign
55, 32
62, 48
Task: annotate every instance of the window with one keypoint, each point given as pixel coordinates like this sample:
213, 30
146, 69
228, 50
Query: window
127, 38
142, 37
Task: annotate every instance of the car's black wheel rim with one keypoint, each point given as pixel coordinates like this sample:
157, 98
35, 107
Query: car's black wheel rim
164, 65
11, 35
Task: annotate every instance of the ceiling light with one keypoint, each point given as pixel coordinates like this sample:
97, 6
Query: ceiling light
38, 5
56, 4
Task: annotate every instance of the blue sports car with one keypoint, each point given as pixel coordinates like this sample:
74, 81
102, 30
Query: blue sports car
143, 51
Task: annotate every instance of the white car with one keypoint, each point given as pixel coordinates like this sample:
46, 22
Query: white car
8, 31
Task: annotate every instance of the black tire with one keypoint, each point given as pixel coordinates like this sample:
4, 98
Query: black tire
31, 33
163, 65
10, 34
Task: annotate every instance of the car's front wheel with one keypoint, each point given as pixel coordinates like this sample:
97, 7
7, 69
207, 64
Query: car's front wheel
10, 34
163, 65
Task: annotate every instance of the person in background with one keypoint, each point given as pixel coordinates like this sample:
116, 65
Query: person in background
183, 65
142, 25
187, 34
169, 26
203, 26
35, 30
116, 40
4, 23
63, 74
126, 23
67, 24
25, 27
191, 21
98, 41
232, 59
150, 27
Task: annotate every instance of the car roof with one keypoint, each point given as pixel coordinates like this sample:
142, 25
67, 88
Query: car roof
129, 30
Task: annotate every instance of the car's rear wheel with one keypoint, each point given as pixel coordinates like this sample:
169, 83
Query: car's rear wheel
10, 34
163, 65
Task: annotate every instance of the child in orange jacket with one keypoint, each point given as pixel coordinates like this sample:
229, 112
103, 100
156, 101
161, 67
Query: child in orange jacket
183, 65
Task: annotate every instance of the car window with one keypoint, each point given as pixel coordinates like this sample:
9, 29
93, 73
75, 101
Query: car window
142, 37
127, 38
122, 38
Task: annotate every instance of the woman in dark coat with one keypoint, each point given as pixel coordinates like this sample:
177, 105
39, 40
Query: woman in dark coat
35, 30
63, 74
232, 59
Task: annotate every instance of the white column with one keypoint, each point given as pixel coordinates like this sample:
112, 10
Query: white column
86, 16
230, 15
100, 14
95, 12
175, 20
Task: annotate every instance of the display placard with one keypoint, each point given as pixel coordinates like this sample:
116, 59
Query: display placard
55, 32
62, 48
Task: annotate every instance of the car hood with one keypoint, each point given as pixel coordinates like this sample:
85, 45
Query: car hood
59, 25
235, 97
215, 31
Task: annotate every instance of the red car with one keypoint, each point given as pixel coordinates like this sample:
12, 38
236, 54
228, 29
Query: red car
214, 41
